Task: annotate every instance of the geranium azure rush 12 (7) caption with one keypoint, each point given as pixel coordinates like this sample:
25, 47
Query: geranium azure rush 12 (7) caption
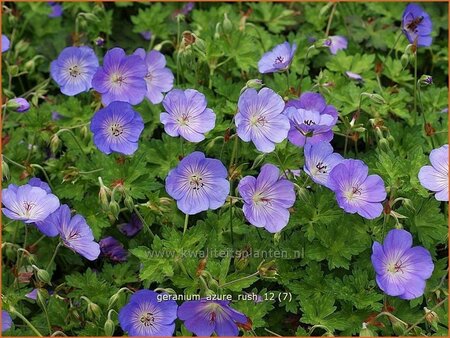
435, 177
186, 115
311, 119
145, 315
121, 78
198, 183
203, 317
159, 78
74, 69
417, 25
267, 198
278, 59
401, 270
260, 119
117, 128
356, 192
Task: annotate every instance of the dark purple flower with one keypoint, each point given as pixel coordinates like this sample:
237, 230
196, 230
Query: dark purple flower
56, 116
355, 191
74, 69
36, 182
121, 78
267, 198
203, 317
145, 315
260, 119
435, 177
113, 249
117, 128
146, 35
187, 115
75, 232
311, 119
57, 10
99, 41
27, 203
353, 76
417, 25
401, 270
19, 105
187, 8
159, 78
319, 161
198, 183
337, 43
6, 321
5, 43
278, 59
132, 228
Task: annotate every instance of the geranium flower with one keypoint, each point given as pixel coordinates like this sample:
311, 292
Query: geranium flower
311, 119
417, 25
144, 315
113, 249
278, 59
198, 183
5, 43
353, 76
401, 270
19, 104
121, 78
75, 232
146, 35
260, 119
186, 115
56, 8
159, 78
133, 227
435, 177
355, 191
267, 198
36, 182
27, 203
6, 321
319, 161
203, 317
117, 128
74, 69
336, 43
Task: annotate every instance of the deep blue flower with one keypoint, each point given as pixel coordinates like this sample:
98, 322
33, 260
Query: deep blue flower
133, 227
417, 25
113, 249
117, 128
56, 8
278, 59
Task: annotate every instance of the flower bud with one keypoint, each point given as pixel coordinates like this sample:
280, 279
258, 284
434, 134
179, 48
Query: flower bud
398, 327
376, 98
268, 269
99, 41
103, 198
431, 317
129, 203
18, 104
226, 24
404, 60
365, 331
13, 70
5, 169
93, 310
384, 145
425, 80
322, 43
42, 275
55, 143
114, 208
109, 328
22, 46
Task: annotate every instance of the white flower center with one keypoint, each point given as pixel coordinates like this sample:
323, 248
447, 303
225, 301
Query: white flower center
117, 79
196, 182
396, 267
259, 199
183, 120
28, 208
352, 193
258, 121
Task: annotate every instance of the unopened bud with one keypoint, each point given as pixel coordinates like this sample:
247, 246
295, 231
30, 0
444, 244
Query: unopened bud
55, 143
18, 104
114, 208
384, 145
93, 310
22, 46
425, 80
431, 317
42, 275
376, 98
398, 327
109, 328
268, 269
404, 60
365, 331
322, 43
129, 203
5, 169
227, 24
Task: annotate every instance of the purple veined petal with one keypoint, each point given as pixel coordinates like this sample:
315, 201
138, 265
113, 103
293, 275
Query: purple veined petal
193, 203
155, 60
370, 210
419, 262
6, 321
442, 195
397, 242
225, 327
373, 189
432, 179
5, 43
312, 101
201, 325
439, 159
297, 138
278, 59
246, 188
268, 176
48, 229
337, 43
413, 289
353, 76
391, 286
378, 258
32, 294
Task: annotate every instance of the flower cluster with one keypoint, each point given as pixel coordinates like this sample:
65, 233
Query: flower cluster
146, 315
35, 203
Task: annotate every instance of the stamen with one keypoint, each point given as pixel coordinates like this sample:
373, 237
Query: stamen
116, 129
147, 319
321, 167
196, 182
74, 71
279, 59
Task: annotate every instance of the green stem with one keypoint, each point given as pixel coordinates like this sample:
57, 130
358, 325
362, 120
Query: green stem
75, 139
318, 326
415, 88
235, 148
53, 257
186, 221
287, 80
304, 68
44, 308
40, 239
399, 35
147, 227
231, 223
390, 315
239, 279
27, 322
14, 162
330, 19
45, 174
